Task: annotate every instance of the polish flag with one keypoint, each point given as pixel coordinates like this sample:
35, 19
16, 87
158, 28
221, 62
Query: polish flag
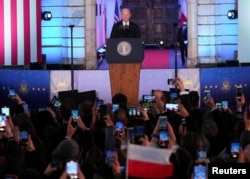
20, 32
148, 162
183, 11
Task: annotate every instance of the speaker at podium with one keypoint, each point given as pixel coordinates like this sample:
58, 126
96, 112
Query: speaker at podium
124, 56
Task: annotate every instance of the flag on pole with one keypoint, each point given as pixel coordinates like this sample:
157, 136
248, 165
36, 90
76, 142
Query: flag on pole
148, 162
183, 11
116, 16
20, 32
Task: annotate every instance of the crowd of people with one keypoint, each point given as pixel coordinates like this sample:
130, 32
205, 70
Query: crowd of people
92, 141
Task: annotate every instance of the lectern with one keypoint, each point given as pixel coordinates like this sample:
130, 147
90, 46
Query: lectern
124, 56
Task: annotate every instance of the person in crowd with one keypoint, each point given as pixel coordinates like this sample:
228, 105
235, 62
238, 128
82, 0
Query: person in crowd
125, 28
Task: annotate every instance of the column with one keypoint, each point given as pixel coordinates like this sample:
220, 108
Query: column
90, 35
192, 11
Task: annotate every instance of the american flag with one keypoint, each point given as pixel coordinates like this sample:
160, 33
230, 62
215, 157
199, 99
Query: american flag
183, 11
20, 32
116, 16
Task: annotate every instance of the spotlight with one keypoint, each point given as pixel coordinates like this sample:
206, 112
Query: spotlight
161, 44
232, 14
46, 15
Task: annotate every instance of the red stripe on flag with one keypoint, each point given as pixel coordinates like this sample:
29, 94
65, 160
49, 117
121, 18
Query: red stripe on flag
2, 48
14, 36
26, 11
149, 170
38, 29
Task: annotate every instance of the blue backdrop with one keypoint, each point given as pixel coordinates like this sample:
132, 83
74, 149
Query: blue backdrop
222, 81
33, 86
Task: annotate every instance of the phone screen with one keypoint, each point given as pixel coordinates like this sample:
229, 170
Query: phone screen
171, 81
171, 106
162, 122
163, 135
12, 92
71, 167
115, 107
103, 110
99, 102
207, 94
23, 138
199, 172
2, 122
224, 104
74, 114
109, 156
201, 156
235, 149
239, 91
148, 98
134, 112
6, 111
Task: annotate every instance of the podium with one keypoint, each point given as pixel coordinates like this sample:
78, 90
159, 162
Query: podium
124, 56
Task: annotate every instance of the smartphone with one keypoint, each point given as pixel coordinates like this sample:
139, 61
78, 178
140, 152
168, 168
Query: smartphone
183, 121
134, 112
115, 107
2, 122
25, 107
224, 104
218, 105
171, 82
103, 111
75, 117
55, 161
12, 92
201, 156
72, 168
200, 172
10, 177
130, 134
173, 95
119, 128
235, 149
207, 94
109, 156
148, 98
239, 92
171, 106
42, 109
145, 105
57, 103
163, 139
24, 138
162, 122
5, 111
99, 102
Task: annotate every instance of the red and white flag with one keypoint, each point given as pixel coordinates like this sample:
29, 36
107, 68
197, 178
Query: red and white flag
20, 32
183, 11
148, 162
117, 14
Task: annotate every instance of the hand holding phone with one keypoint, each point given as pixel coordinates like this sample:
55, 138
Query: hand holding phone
162, 122
235, 149
109, 156
103, 111
200, 172
207, 95
201, 156
239, 92
119, 128
24, 138
5, 111
75, 116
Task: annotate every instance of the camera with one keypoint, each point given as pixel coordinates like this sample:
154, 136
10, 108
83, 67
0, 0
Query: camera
75, 117
235, 150
200, 172
72, 169
172, 81
24, 138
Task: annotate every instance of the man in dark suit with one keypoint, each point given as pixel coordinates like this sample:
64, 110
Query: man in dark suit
182, 40
125, 28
